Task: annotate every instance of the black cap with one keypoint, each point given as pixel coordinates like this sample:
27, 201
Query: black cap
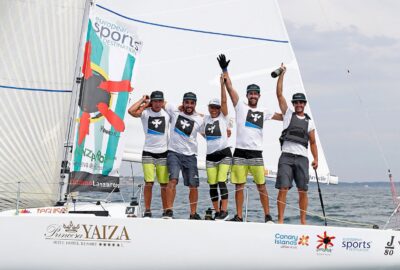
253, 87
299, 97
157, 95
190, 96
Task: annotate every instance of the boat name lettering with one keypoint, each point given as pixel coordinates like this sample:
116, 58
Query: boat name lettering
103, 232
52, 210
56, 231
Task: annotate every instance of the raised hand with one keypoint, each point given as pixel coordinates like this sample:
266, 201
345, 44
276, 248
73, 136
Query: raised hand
222, 62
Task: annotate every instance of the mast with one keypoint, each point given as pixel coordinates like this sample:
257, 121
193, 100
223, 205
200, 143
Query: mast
65, 169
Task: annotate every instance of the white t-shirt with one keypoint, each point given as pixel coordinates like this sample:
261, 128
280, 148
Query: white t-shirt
215, 130
249, 126
155, 127
183, 131
292, 147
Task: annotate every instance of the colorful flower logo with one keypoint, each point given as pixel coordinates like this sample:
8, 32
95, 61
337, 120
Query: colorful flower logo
303, 241
325, 241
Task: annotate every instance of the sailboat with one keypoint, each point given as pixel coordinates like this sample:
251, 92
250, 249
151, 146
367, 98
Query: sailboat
180, 43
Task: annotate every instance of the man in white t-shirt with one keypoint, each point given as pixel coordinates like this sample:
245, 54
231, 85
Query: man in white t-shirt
249, 142
182, 151
298, 132
155, 122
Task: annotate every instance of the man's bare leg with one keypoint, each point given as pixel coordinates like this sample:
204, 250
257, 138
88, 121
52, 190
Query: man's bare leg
148, 193
171, 191
163, 191
281, 203
193, 198
239, 199
262, 191
303, 203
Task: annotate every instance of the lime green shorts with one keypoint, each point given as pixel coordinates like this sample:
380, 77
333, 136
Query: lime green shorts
240, 172
155, 165
218, 173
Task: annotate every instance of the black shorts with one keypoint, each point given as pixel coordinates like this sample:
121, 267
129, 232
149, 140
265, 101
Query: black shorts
292, 167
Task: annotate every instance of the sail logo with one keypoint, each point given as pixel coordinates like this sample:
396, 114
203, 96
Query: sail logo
356, 244
389, 248
291, 240
116, 35
325, 243
82, 234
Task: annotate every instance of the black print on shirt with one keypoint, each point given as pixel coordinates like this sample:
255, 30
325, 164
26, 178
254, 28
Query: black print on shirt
255, 119
156, 125
213, 131
184, 126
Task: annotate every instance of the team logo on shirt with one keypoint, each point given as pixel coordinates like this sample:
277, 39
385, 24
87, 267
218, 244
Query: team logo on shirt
156, 125
254, 119
213, 131
184, 126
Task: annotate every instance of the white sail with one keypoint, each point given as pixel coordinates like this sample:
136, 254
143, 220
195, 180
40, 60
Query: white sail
181, 42
38, 48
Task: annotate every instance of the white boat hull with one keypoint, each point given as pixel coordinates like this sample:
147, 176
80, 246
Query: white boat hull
87, 242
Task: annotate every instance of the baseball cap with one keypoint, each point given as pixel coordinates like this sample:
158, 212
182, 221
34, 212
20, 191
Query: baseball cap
299, 97
253, 87
157, 95
215, 102
190, 96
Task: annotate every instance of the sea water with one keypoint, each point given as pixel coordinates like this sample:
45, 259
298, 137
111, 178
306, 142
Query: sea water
346, 204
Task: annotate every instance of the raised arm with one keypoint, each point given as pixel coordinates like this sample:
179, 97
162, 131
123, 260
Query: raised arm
279, 91
228, 83
139, 106
313, 148
224, 105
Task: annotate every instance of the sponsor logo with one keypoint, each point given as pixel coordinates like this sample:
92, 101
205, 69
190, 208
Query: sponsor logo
325, 244
291, 240
389, 248
24, 211
116, 35
82, 234
356, 244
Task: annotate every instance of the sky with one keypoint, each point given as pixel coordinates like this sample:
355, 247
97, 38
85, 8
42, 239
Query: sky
349, 57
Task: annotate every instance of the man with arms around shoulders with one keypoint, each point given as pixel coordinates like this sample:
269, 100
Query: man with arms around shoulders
219, 155
155, 122
298, 132
249, 140
182, 146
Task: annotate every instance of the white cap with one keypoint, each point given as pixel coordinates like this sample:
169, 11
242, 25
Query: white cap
215, 102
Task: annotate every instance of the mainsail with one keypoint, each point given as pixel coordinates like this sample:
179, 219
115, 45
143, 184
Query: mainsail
39, 44
181, 42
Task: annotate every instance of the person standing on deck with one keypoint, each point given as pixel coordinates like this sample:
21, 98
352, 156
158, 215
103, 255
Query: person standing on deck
155, 121
249, 139
182, 146
219, 155
298, 132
